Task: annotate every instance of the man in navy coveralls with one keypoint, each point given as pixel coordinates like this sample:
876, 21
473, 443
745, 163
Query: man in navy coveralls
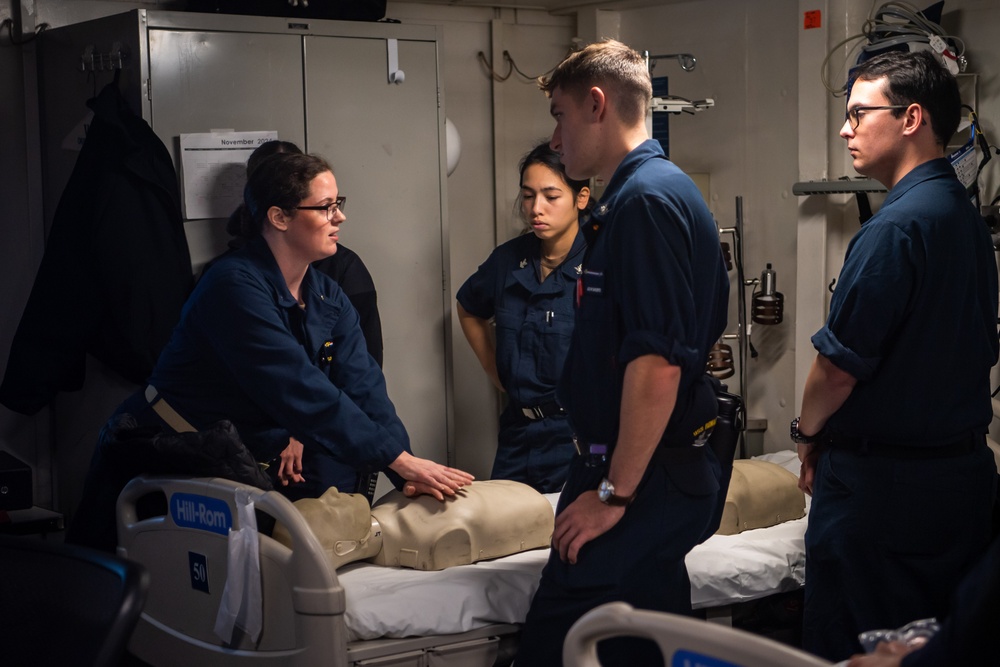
651, 301
896, 406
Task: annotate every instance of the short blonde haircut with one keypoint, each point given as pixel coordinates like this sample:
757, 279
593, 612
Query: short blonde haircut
613, 67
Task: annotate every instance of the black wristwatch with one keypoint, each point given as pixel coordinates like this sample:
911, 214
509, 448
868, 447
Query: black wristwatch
606, 494
800, 438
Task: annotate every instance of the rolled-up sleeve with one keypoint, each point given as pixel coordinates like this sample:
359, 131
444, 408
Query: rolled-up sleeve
655, 289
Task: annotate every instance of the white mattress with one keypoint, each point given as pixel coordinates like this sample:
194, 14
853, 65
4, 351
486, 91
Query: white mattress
400, 602
726, 569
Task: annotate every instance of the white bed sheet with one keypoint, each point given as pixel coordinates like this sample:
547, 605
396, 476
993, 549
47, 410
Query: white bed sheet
726, 569
400, 602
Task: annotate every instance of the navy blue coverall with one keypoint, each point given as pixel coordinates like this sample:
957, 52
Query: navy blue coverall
653, 282
903, 492
534, 322
246, 352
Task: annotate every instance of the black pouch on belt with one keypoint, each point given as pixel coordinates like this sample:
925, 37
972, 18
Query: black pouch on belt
723, 441
726, 434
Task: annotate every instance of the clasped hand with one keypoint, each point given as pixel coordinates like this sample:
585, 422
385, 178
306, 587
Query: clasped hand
583, 520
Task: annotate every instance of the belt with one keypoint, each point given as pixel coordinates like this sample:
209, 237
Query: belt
964, 445
597, 454
542, 411
167, 413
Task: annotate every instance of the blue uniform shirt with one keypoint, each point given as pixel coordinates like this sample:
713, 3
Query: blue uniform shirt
913, 316
245, 351
654, 282
534, 320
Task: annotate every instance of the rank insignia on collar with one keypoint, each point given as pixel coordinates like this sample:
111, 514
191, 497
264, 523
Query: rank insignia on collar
523, 263
326, 354
578, 268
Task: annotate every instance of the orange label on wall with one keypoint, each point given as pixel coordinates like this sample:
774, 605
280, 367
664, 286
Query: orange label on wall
813, 19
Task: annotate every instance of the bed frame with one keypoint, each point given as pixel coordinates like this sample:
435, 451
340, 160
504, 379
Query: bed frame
303, 622
178, 529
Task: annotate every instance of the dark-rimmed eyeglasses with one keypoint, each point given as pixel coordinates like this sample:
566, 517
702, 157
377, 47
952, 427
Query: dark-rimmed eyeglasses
331, 208
854, 115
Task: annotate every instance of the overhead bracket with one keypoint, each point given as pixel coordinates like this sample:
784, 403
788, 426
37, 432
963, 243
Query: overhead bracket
673, 104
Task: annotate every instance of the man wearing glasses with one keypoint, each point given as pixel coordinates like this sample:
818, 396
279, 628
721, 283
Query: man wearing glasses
896, 406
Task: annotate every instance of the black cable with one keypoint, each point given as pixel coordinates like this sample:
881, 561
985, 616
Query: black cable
753, 350
977, 133
489, 67
511, 68
510, 59
891, 25
9, 25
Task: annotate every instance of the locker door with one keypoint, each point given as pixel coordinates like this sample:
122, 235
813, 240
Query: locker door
202, 81
383, 142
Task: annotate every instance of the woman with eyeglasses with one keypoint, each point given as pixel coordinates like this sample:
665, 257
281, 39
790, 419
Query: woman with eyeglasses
344, 266
273, 346
526, 288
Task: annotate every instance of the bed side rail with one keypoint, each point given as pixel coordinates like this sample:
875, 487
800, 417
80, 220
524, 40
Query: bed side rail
178, 528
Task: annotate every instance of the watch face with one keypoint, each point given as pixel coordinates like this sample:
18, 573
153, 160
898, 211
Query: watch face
605, 490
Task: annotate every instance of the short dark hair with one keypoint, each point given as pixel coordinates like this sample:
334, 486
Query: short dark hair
919, 78
608, 64
282, 180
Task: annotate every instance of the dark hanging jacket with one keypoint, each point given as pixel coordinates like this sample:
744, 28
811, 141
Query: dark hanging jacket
116, 269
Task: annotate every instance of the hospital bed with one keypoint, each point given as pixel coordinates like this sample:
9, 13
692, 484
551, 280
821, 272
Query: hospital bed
365, 614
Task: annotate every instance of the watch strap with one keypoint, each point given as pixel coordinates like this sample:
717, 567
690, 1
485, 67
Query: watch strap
606, 494
800, 438
619, 501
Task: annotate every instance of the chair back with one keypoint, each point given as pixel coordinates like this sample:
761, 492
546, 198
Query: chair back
682, 640
63, 604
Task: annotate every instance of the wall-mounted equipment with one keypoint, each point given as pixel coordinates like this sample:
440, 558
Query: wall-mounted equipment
768, 304
767, 309
859, 187
92, 60
663, 104
672, 103
687, 61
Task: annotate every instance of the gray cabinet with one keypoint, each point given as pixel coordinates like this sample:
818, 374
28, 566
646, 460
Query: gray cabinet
323, 85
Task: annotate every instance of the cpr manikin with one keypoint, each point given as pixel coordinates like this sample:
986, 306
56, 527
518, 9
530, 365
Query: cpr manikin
484, 520
342, 523
760, 494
